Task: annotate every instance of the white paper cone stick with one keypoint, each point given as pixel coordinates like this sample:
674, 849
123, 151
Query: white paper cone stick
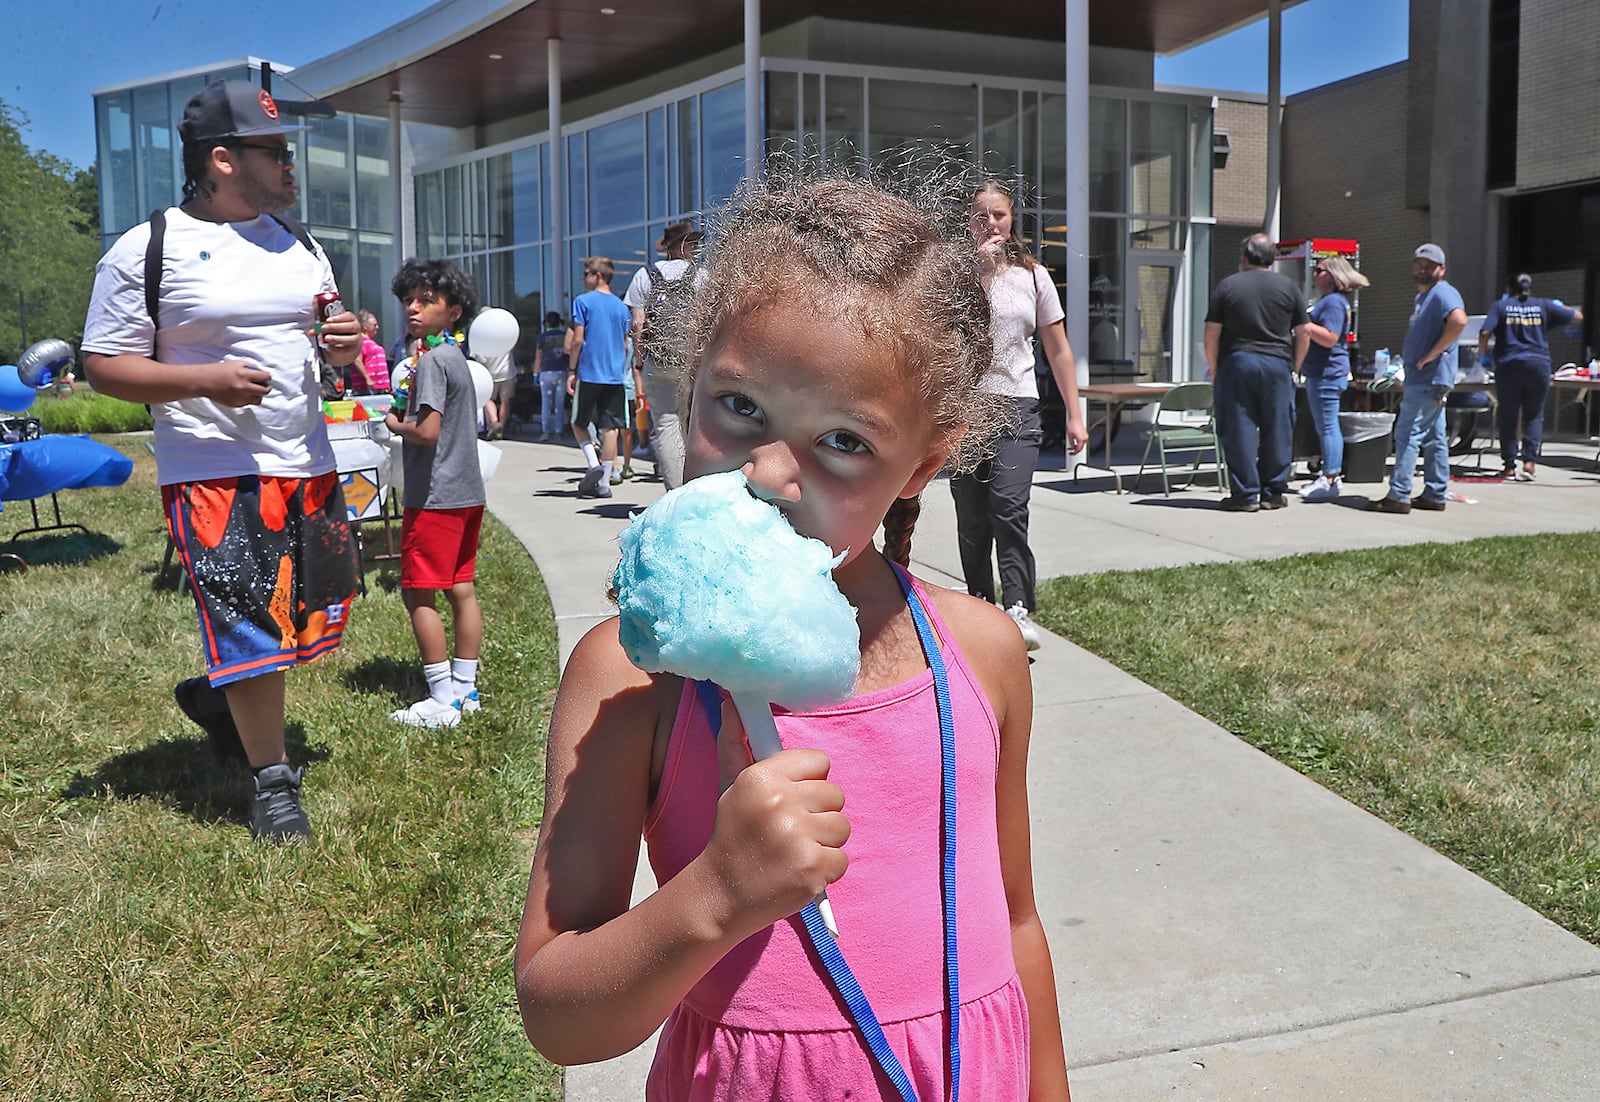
762, 731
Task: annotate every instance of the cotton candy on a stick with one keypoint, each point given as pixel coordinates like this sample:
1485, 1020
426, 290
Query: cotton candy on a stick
715, 585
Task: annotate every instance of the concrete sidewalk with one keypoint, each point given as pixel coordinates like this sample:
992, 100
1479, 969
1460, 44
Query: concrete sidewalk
1221, 926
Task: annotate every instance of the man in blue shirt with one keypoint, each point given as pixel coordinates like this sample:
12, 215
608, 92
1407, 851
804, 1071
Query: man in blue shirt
597, 352
1430, 358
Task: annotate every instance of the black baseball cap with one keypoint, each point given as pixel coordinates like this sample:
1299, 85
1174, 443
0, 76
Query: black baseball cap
227, 109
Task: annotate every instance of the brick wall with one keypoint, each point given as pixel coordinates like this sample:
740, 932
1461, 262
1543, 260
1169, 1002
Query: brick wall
1558, 101
1346, 175
1239, 188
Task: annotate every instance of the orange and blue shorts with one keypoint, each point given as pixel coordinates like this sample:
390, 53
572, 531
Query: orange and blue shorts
272, 566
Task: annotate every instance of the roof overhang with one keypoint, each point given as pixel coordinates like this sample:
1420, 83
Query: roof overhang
475, 62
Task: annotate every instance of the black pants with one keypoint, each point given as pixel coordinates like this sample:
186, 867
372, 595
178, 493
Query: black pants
992, 514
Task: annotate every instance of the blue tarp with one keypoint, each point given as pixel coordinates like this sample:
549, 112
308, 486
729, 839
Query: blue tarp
38, 468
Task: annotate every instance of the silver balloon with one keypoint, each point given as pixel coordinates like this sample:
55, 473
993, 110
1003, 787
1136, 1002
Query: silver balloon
44, 361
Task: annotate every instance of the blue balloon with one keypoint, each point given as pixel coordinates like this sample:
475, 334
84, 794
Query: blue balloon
15, 395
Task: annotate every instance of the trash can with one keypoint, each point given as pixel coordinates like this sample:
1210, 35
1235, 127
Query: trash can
1368, 439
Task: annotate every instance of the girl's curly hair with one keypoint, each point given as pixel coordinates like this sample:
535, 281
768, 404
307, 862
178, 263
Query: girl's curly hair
902, 263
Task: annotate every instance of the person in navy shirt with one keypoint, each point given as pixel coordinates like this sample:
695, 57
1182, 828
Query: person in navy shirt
1429, 354
1520, 325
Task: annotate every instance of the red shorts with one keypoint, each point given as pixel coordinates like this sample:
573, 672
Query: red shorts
439, 547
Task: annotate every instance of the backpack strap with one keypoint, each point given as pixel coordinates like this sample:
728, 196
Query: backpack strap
152, 266
153, 254
301, 234
655, 274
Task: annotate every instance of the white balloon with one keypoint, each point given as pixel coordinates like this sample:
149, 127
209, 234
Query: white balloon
482, 384
488, 459
493, 333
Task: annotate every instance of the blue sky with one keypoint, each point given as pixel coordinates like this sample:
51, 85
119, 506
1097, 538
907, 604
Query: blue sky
63, 49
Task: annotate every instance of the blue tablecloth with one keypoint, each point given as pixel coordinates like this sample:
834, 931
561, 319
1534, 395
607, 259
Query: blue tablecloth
38, 468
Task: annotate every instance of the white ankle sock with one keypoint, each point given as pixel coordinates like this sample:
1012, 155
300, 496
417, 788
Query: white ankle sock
438, 675
605, 470
589, 455
463, 676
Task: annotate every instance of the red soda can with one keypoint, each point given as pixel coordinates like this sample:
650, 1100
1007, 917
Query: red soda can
325, 307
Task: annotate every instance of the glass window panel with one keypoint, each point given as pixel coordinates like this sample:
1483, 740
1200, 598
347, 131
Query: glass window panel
656, 161
1159, 148
497, 290
1002, 148
498, 215
1108, 149
577, 176
119, 197
374, 270
340, 247
783, 113
153, 146
1106, 296
629, 251
683, 134
475, 192
549, 220
906, 113
1200, 160
326, 175
1052, 147
811, 117
577, 249
452, 211
523, 222
374, 189
843, 120
1152, 233
527, 299
1199, 260
722, 147
430, 214
616, 173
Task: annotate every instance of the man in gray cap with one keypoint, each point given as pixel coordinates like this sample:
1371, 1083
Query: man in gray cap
1429, 354
657, 296
205, 313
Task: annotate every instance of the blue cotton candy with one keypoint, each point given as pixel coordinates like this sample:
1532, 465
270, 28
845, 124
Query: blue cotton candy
715, 585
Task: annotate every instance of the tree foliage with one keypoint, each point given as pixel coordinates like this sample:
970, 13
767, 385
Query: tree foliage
49, 240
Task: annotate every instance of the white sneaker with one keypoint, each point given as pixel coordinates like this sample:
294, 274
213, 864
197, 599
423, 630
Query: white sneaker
1030, 633
1320, 490
428, 712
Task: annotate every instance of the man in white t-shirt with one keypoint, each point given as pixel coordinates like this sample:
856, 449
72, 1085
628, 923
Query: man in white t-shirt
225, 351
660, 380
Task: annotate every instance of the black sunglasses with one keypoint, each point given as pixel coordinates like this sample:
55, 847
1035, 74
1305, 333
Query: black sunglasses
283, 153
1319, 270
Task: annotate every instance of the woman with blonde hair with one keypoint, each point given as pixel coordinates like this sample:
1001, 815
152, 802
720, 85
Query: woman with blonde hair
1327, 367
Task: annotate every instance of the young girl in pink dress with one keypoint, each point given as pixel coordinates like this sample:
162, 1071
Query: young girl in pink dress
835, 356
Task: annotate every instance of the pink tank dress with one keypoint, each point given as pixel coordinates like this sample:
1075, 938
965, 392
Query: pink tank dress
766, 1022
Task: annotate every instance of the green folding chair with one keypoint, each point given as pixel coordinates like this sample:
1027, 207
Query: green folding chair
1183, 433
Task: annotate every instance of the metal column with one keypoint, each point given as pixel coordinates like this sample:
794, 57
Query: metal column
1270, 224
754, 132
1077, 149
557, 189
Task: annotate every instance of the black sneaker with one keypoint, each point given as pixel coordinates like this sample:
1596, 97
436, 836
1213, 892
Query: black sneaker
275, 816
207, 707
1273, 501
1240, 505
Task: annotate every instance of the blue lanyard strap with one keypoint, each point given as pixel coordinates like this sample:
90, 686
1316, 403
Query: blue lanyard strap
827, 948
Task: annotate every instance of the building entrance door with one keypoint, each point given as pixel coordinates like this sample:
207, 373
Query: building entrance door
1157, 301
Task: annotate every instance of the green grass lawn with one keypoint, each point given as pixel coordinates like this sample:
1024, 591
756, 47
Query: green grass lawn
1451, 689
151, 949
